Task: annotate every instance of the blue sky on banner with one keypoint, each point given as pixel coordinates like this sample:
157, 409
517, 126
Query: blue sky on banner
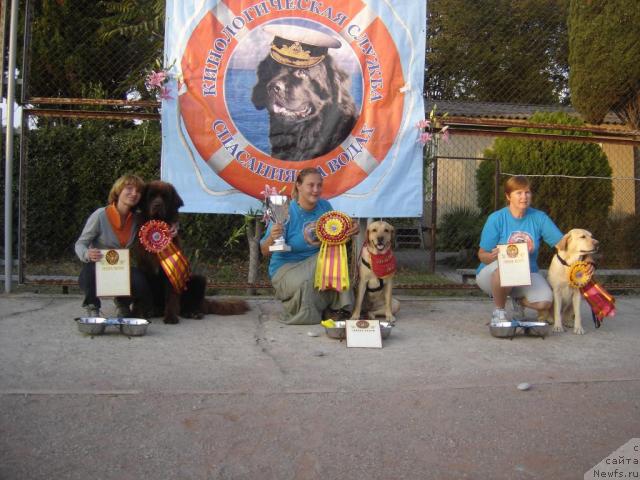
217, 148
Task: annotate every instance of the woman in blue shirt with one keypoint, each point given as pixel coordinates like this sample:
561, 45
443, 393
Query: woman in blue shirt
292, 273
515, 223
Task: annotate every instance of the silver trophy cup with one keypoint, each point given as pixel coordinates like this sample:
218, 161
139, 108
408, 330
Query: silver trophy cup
278, 212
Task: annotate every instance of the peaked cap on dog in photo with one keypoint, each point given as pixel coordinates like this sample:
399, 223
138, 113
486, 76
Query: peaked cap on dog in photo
299, 47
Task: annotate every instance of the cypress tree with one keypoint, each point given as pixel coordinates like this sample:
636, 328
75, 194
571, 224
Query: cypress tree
604, 59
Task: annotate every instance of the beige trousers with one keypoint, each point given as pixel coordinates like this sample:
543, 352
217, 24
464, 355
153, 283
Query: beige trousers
303, 304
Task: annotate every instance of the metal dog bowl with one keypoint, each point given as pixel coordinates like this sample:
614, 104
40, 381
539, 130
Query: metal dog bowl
538, 329
339, 331
510, 329
503, 329
133, 327
385, 329
92, 325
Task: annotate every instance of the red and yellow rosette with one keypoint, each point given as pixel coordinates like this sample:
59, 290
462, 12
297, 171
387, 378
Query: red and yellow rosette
332, 269
579, 274
155, 237
601, 302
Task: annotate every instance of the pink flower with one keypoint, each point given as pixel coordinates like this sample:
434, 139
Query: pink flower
156, 79
423, 124
165, 93
425, 137
445, 134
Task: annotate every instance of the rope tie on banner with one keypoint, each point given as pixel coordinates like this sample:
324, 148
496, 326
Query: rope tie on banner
332, 269
155, 237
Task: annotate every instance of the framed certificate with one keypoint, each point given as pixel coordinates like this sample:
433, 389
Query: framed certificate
363, 333
113, 278
513, 263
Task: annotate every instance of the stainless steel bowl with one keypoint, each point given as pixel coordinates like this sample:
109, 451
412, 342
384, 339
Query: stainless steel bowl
133, 327
538, 329
504, 329
91, 325
385, 329
339, 331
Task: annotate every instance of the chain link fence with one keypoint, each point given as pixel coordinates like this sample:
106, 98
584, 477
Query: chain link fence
503, 76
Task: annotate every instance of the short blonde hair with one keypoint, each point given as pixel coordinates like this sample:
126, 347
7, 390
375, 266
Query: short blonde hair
517, 182
122, 182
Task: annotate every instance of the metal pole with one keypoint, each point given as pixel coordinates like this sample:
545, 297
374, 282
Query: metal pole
8, 155
434, 216
496, 181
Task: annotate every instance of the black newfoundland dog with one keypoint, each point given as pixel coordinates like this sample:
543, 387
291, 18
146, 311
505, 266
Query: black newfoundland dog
160, 201
311, 110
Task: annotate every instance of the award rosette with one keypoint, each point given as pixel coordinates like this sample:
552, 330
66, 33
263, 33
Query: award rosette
332, 269
155, 237
579, 274
601, 302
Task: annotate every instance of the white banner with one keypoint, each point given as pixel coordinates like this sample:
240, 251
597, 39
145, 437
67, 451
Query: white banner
262, 89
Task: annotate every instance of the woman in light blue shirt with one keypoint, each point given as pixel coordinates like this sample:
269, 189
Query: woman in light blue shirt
292, 273
517, 222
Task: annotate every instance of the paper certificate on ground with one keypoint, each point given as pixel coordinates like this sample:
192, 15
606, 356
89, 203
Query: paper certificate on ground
112, 274
513, 263
364, 333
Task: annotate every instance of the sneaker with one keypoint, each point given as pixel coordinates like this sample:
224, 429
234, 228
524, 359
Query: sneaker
518, 309
92, 310
499, 315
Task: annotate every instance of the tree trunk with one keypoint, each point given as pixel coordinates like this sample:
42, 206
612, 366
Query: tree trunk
254, 232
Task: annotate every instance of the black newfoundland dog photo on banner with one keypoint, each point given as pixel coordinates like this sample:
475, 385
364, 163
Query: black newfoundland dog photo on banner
311, 110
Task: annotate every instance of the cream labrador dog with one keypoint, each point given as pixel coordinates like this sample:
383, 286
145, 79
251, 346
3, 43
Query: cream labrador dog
576, 245
376, 269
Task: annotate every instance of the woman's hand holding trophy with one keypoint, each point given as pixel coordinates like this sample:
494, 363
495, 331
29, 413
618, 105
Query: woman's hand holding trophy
277, 210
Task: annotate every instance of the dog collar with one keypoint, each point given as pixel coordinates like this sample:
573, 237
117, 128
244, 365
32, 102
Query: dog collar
562, 260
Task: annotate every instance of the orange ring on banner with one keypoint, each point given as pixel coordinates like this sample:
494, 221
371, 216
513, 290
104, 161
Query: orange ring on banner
210, 126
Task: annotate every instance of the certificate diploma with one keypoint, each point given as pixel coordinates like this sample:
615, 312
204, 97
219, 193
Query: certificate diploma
113, 278
363, 333
513, 263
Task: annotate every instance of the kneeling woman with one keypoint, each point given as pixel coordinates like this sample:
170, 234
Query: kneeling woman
517, 222
292, 273
114, 226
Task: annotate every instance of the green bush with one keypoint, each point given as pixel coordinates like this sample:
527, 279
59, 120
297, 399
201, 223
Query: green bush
622, 249
570, 202
71, 168
459, 231
460, 228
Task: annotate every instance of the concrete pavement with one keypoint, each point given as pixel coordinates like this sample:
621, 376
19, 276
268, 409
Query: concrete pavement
249, 398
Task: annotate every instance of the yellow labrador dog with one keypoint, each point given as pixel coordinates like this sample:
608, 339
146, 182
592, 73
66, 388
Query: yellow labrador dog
376, 269
576, 245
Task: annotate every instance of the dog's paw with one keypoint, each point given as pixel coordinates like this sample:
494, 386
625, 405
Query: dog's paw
355, 316
578, 330
390, 318
172, 320
558, 328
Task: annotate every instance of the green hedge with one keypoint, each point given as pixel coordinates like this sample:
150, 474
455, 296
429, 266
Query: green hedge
71, 168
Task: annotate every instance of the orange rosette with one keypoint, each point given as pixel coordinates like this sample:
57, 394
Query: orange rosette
332, 269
